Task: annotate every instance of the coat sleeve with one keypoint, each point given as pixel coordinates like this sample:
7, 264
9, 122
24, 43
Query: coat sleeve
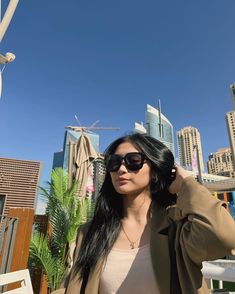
207, 230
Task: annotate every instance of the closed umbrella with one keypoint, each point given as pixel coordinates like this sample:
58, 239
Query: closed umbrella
84, 156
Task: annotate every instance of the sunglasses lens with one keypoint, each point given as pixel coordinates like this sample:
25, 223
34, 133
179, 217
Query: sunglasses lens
113, 163
134, 161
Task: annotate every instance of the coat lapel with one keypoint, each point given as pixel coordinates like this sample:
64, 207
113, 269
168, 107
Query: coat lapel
159, 248
94, 278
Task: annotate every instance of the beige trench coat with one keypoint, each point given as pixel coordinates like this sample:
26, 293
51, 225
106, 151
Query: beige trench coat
204, 231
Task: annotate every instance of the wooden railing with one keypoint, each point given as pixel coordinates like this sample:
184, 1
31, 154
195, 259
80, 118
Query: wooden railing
15, 236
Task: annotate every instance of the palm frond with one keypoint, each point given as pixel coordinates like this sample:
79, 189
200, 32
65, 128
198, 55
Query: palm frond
59, 183
61, 223
59, 274
70, 196
44, 192
66, 212
41, 256
84, 212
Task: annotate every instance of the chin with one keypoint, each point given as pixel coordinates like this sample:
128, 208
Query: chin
123, 191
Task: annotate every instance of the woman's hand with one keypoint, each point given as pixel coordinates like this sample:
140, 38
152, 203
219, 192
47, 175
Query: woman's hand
180, 175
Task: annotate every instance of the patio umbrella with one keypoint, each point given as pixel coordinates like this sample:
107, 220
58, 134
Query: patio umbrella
83, 158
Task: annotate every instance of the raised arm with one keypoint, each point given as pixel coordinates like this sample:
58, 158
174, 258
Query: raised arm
207, 230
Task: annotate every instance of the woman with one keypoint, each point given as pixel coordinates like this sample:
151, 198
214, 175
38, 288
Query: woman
143, 238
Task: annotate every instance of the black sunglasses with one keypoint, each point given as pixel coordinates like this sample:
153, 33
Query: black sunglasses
133, 161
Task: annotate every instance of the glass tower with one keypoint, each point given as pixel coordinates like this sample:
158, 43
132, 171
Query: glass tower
159, 127
139, 128
61, 158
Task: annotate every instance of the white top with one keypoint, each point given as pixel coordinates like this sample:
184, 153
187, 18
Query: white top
128, 271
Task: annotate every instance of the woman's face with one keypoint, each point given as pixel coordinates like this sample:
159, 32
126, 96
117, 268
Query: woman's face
130, 182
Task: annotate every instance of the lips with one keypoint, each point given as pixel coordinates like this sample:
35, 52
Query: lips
121, 180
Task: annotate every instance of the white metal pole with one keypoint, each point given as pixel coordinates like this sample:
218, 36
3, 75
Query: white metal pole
7, 17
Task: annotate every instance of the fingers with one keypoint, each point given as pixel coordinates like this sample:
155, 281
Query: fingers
183, 173
179, 175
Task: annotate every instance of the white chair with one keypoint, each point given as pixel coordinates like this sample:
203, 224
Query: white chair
21, 276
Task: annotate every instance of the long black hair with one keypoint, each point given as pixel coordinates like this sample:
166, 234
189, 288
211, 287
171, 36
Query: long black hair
106, 223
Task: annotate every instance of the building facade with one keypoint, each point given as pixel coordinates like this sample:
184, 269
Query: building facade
220, 163
61, 158
232, 88
190, 148
99, 173
159, 127
209, 178
230, 121
18, 183
139, 128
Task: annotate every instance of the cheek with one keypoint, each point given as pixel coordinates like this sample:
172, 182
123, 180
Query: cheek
143, 178
112, 178
146, 175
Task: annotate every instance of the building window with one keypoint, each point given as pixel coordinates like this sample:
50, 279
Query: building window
2, 201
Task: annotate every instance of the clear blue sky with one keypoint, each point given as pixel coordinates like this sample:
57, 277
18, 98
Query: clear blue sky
105, 60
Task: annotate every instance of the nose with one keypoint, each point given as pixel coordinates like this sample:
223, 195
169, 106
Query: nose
122, 168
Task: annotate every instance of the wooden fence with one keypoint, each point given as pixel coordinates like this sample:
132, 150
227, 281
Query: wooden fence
15, 236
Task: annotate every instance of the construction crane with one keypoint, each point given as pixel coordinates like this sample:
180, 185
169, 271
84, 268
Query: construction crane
86, 129
72, 146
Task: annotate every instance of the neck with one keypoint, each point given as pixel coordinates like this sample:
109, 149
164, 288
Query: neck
136, 207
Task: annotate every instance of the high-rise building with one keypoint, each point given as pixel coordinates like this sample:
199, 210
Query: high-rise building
189, 148
232, 88
220, 163
61, 158
99, 173
19, 180
139, 128
230, 120
159, 127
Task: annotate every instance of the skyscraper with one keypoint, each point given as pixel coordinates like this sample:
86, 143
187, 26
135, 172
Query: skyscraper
139, 128
159, 127
230, 120
61, 158
189, 141
232, 88
220, 163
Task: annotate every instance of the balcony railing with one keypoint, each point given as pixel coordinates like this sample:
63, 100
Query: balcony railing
220, 270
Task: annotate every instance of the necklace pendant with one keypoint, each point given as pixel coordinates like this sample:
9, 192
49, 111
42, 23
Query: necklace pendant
132, 245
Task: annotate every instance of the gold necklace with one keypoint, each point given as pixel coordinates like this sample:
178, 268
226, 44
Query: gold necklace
132, 243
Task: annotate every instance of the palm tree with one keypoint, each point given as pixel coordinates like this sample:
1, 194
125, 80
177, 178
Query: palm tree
66, 211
